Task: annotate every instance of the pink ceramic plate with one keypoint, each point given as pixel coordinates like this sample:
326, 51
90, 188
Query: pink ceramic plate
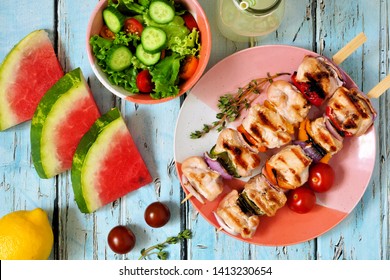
353, 165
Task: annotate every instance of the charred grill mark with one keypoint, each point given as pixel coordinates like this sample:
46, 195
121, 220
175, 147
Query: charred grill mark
249, 143
236, 152
257, 133
327, 139
266, 121
315, 83
281, 136
198, 177
256, 160
302, 158
337, 105
266, 201
358, 103
351, 122
282, 159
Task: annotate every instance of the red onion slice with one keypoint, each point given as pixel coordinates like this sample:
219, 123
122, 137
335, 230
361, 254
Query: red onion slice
223, 225
216, 166
335, 69
309, 150
191, 190
332, 130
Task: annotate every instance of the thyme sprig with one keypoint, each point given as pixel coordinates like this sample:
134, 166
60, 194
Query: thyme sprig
231, 105
158, 249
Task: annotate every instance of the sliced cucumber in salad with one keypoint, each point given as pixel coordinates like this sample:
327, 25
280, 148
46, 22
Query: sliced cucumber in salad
141, 32
113, 19
145, 57
153, 39
119, 58
161, 12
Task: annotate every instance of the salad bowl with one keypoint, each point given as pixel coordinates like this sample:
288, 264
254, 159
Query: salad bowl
95, 25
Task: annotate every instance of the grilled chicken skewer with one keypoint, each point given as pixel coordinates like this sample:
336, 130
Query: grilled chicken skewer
286, 100
289, 168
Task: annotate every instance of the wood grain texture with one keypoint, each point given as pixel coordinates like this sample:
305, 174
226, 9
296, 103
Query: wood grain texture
321, 26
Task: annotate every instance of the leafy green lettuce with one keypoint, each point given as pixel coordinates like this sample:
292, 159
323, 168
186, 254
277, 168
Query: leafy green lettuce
130, 6
180, 39
189, 45
126, 78
165, 76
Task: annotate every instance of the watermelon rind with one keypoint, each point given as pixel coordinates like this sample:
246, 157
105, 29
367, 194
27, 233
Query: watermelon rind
50, 114
9, 70
112, 117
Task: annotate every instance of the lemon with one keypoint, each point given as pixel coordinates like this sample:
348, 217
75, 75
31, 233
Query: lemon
25, 235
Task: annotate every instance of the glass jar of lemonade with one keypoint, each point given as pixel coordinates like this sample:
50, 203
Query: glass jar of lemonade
238, 20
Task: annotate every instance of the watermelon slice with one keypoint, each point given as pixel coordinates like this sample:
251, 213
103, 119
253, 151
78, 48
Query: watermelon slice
64, 114
26, 73
107, 164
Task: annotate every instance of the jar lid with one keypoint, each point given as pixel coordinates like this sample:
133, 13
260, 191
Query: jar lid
251, 7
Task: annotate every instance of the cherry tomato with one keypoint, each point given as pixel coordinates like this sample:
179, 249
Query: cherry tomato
144, 81
321, 177
189, 67
121, 239
301, 200
106, 33
133, 26
190, 21
157, 214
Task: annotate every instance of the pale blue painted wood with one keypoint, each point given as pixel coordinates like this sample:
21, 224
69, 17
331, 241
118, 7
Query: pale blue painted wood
20, 186
359, 236
323, 26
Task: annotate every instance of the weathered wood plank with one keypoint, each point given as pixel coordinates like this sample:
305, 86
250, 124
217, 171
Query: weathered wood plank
338, 23
20, 186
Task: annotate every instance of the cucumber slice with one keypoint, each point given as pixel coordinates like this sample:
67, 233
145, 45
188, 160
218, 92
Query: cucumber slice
119, 58
147, 58
161, 12
113, 19
153, 39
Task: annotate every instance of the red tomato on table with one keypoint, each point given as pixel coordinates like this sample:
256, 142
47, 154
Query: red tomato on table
121, 239
157, 214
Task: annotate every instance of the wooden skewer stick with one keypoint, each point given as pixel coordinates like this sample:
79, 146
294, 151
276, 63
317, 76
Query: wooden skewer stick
187, 198
349, 48
380, 88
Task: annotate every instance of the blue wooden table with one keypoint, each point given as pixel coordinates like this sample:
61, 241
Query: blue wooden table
321, 26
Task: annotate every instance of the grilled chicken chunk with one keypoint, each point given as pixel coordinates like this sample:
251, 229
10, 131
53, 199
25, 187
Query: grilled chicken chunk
242, 158
261, 197
321, 75
242, 223
267, 127
288, 101
350, 111
323, 137
204, 180
290, 167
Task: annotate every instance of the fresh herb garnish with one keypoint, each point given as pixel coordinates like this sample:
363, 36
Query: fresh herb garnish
231, 105
158, 249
